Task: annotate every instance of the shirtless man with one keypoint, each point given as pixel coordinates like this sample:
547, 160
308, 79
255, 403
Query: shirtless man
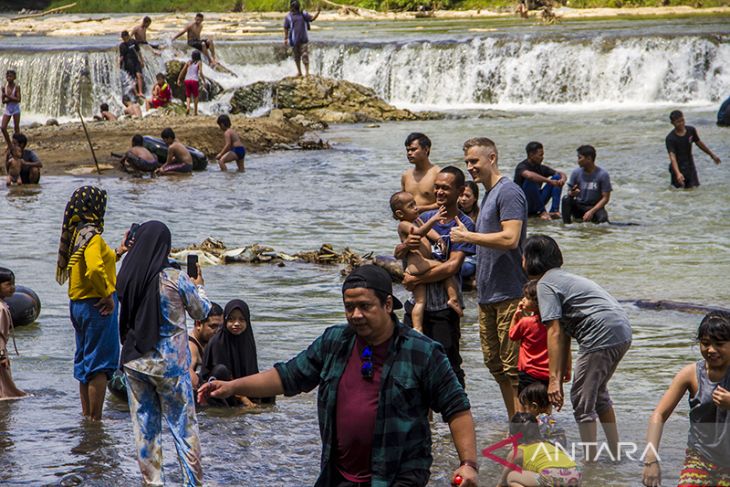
199, 337
206, 46
138, 159
139, 32
179, 160
419, 180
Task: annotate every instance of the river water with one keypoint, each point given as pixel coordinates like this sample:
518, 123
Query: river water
680, 250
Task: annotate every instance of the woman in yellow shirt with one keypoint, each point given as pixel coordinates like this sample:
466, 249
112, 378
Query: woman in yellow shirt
541, 462
89, 264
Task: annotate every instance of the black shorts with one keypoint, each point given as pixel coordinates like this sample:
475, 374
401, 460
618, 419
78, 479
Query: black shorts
132, 69
25, 175
444, 327
198, 43
526, 379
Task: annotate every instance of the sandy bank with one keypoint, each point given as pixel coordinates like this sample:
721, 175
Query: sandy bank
231, 26
64, 149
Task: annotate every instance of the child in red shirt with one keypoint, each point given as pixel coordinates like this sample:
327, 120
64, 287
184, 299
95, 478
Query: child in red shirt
161, 93
527, 328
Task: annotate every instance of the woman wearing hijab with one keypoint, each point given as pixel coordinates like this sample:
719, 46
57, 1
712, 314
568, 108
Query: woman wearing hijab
89, 265
154, 297
231, 353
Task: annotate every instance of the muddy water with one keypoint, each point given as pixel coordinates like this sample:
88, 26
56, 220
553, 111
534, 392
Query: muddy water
296, 201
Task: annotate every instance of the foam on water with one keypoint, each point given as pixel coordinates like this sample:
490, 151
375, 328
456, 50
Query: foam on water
508, 73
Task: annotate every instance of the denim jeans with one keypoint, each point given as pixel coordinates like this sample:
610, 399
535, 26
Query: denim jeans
537, 197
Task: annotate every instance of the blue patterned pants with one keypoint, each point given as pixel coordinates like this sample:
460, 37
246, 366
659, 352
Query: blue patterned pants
150, 400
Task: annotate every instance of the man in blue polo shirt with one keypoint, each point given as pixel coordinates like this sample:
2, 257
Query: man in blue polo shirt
440, 322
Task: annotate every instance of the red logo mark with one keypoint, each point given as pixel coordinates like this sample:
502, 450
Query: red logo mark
512, 440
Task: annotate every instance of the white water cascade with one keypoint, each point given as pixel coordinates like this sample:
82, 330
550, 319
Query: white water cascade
496, 72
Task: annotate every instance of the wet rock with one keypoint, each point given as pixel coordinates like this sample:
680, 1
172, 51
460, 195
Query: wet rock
311, 141
34, 125
252, 97
308, 123
323, 100
208, 91
51, 122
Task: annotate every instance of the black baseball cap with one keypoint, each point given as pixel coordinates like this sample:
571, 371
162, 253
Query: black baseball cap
371, 277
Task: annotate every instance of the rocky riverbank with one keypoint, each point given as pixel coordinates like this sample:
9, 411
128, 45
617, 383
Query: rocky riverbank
254, 24
65, 150
298, 106
316, 101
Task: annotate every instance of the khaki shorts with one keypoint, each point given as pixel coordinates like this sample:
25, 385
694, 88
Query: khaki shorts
301, 52
500, 353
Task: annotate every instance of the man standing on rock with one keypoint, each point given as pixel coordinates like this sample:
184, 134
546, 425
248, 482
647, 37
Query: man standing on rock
419, 180
131, 61
296, 25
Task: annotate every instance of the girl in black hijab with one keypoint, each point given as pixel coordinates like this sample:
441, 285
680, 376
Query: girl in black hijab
231, 353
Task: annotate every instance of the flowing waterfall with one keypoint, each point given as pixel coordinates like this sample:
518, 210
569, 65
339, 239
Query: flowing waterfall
501, 71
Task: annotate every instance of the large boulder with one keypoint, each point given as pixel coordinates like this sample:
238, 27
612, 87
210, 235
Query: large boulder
324, 99
208, 91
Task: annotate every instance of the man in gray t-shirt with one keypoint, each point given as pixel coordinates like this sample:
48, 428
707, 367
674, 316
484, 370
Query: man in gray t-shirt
585, 310
500, 232
590, 190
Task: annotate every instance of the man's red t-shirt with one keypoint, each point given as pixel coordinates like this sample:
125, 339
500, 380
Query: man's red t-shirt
532, 335
357, 409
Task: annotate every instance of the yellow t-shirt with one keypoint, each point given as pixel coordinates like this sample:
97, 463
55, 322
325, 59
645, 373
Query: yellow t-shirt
94, 276
536, 457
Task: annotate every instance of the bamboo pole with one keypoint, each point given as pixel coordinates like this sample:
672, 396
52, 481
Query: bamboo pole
88, 139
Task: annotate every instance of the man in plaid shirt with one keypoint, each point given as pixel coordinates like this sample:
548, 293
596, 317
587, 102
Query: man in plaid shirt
377, 381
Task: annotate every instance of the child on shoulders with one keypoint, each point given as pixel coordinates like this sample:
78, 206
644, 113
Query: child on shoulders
404, 209
707, 459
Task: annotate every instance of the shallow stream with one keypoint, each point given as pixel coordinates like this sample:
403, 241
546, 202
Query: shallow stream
680, 250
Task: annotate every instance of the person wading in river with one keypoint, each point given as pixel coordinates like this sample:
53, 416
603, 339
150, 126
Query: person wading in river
500, 232
89, 264
679, 146
377, 380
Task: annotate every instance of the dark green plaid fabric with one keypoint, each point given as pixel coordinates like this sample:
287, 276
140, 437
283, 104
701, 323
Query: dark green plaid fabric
415, 377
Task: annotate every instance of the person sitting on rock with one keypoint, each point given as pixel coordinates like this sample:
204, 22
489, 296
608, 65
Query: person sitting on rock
296, 25
131, 108
179, 160
206, 46
161, 93
104, 114
22, 165
138, 159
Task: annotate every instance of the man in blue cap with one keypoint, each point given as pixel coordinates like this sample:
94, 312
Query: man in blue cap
377, 381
